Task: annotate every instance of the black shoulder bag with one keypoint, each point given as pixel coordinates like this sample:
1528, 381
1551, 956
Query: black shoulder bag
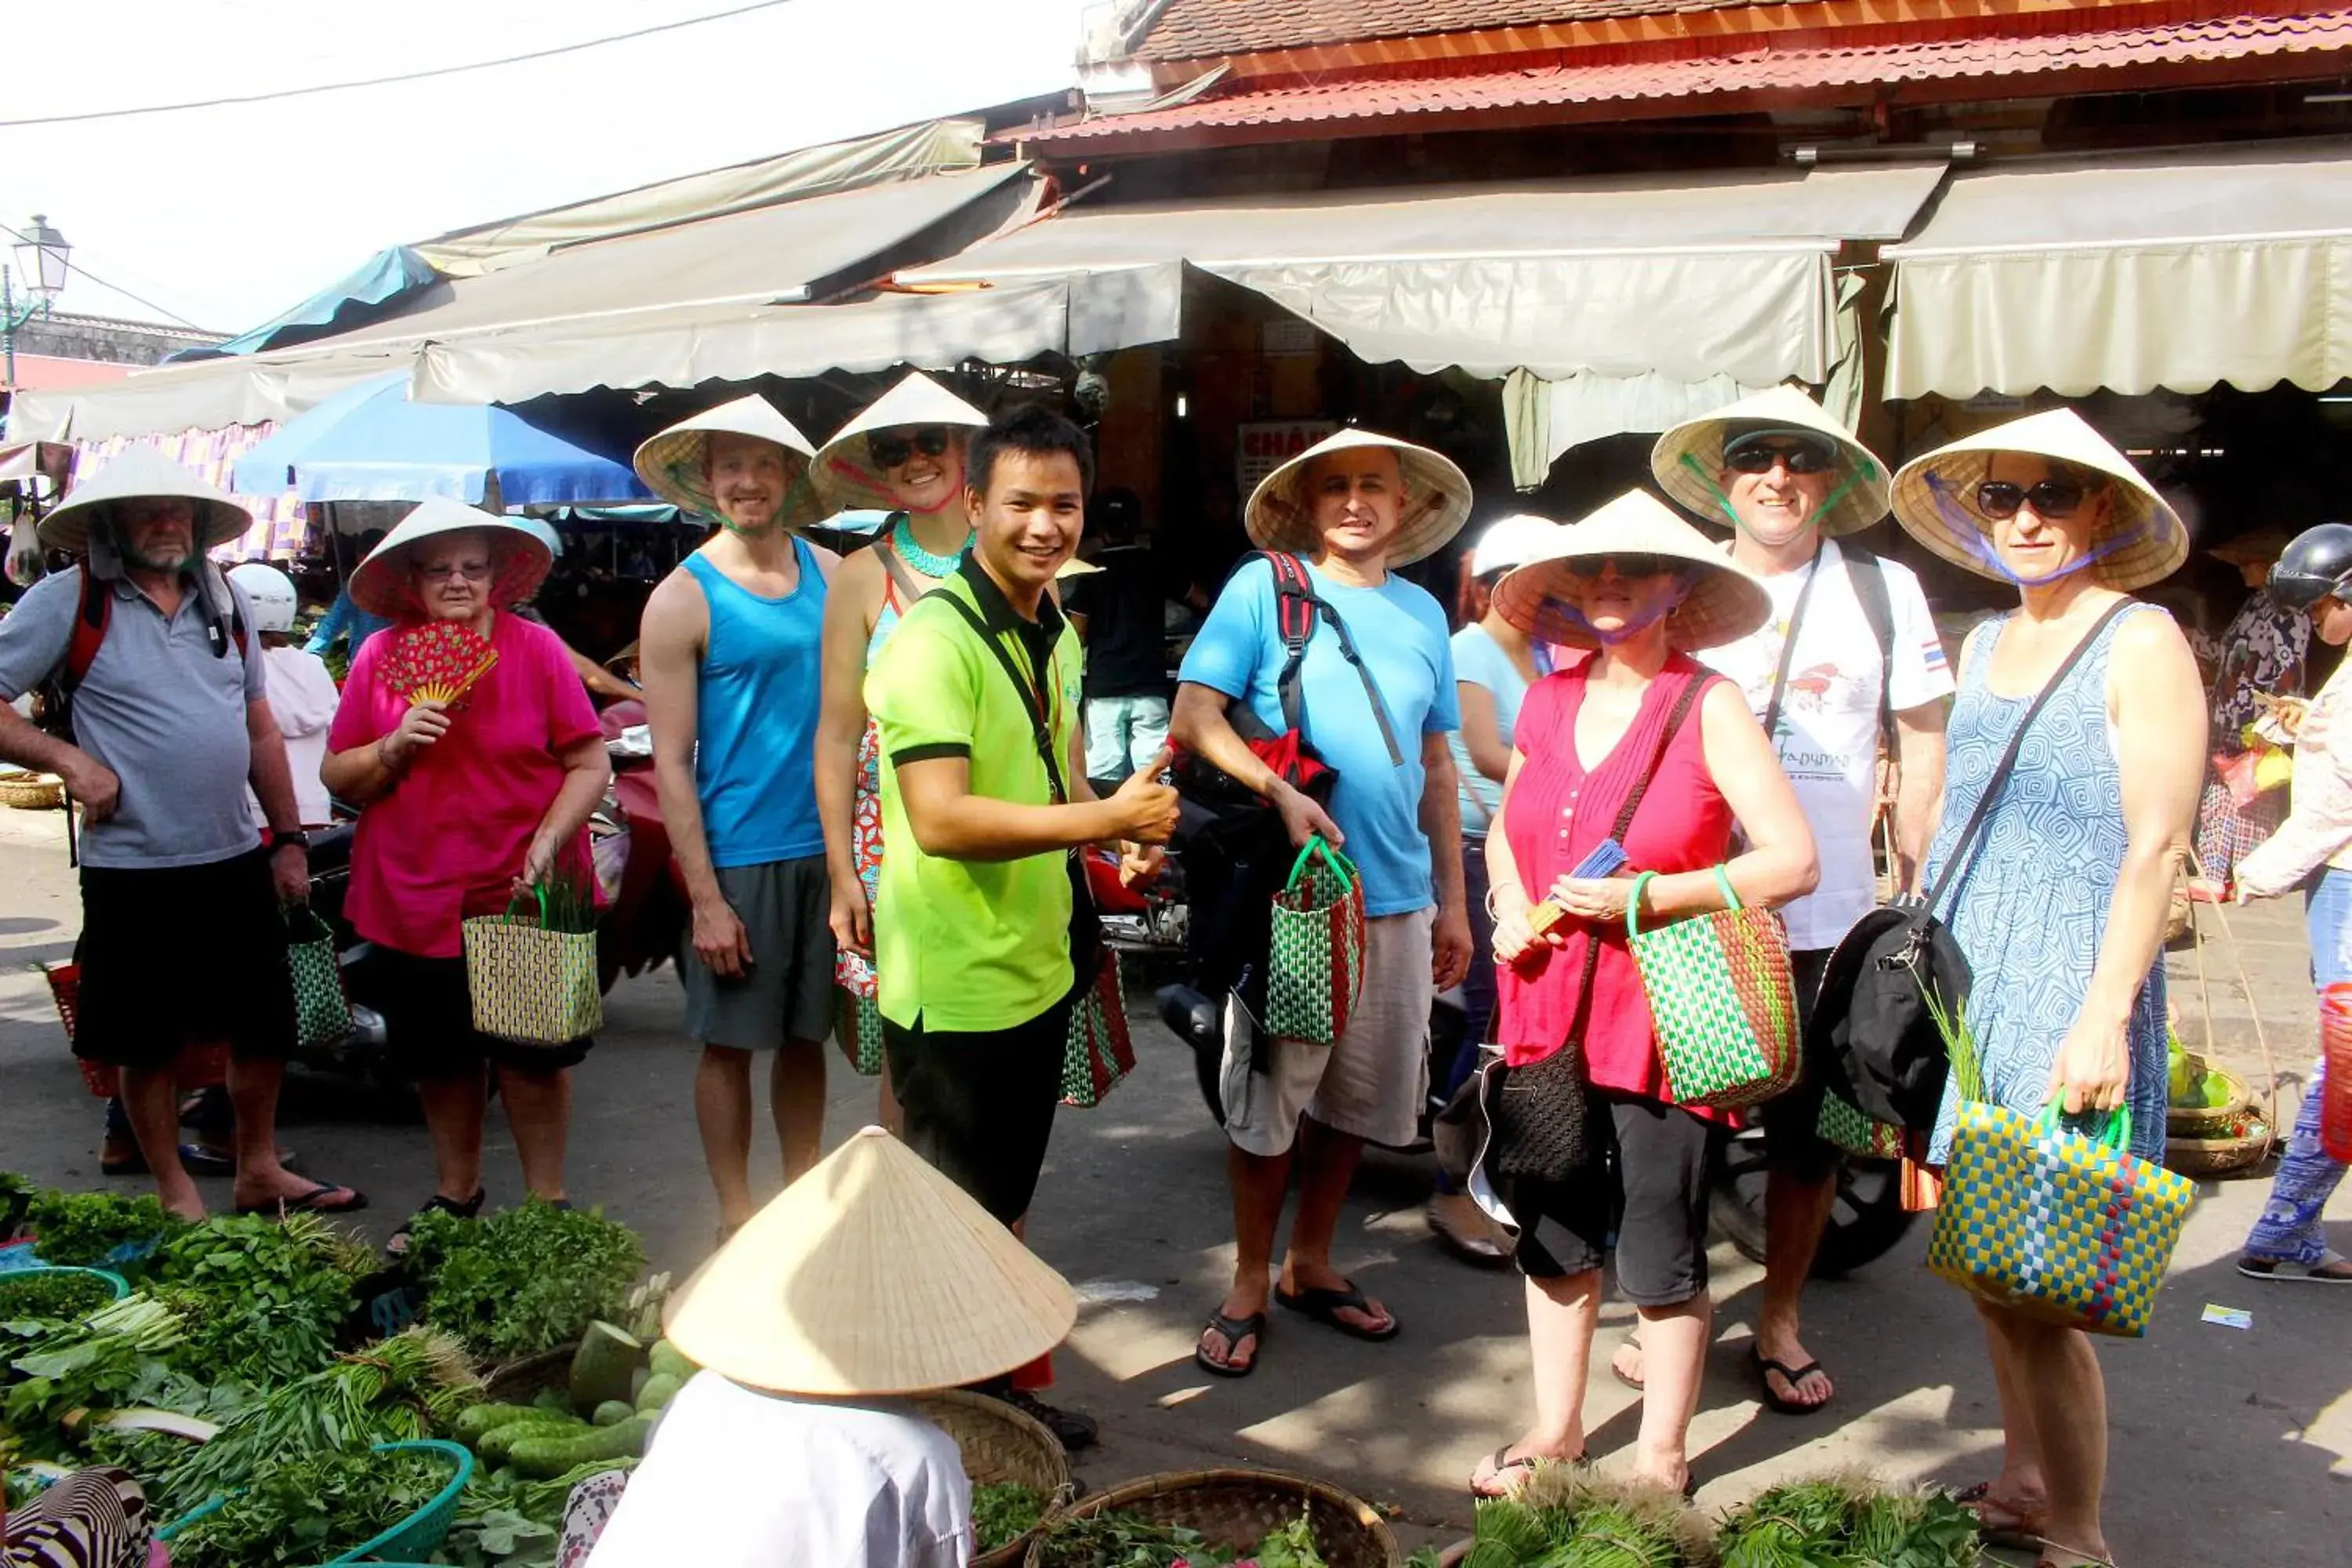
1871, 1030
1533, 1123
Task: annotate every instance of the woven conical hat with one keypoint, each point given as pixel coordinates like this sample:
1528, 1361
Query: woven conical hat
520, 559
873, 1274
141, 471
1934, 499
1724, 605
674, 464
1688, 459
1436, 499
846, 474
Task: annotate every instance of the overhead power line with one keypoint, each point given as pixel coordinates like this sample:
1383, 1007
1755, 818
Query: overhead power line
73, 265
388, 80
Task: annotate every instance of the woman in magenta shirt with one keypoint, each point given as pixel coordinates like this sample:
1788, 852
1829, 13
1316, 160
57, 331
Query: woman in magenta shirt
1642, 588
463, 806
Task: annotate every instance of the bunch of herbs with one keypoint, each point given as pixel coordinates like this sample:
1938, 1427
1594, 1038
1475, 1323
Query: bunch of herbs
41, 1295
93, 1230
310, 1508
525, 1281
1001, 1513
91, 1362
262, 1301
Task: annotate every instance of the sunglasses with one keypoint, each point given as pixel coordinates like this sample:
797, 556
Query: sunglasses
1628, 566
888, 450
1757, 457
2000, 499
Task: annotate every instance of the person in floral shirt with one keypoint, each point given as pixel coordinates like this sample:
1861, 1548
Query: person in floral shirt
2261, 654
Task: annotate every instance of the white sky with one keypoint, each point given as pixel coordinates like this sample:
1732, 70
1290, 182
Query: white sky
228, 216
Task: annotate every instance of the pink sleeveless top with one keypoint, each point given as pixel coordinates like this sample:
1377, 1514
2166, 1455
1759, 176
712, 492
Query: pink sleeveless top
1556, 815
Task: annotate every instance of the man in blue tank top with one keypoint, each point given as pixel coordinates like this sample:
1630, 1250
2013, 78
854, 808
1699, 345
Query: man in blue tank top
728, 648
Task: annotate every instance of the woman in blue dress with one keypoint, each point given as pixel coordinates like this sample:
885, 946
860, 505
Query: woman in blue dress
2061, 908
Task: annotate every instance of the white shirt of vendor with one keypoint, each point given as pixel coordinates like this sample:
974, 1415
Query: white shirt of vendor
302, 698
737, 1478
1828, 731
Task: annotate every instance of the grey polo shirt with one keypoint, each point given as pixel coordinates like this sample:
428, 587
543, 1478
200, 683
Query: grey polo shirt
157, 708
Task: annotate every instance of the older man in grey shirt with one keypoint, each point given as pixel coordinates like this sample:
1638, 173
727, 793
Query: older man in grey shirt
182, 939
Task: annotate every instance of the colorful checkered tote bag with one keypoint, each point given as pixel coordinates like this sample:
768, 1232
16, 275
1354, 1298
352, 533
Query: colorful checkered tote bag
1315, 975
1721, 1001
2070, 1229
1099, 1053
1842, 1124
322, 1013
531, 984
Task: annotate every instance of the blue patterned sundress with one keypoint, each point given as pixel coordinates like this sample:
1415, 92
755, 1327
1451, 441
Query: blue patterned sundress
2030, 913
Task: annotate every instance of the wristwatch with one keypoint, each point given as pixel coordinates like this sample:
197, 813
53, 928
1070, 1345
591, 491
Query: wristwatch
296, 838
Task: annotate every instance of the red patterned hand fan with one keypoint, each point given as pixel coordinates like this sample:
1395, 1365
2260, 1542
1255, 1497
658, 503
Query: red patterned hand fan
437, 662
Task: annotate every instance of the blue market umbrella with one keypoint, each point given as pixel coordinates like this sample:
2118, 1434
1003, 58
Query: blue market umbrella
369, 442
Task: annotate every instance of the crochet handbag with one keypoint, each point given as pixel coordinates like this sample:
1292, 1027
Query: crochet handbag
1721, 1000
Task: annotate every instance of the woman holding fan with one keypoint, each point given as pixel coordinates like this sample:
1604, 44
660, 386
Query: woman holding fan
470, 746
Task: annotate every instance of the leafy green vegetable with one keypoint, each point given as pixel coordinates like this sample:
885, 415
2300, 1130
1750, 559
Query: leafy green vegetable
48, 1296
1848, 1523
525, 1281
1001, 1513
88, 1230
1120, 1539
92, 1361
261, 1300
508, 1521
307, 1510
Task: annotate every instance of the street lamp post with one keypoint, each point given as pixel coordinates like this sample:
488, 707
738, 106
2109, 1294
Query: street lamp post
41, 252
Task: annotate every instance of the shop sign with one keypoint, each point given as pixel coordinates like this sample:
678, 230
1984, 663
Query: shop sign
1260, 446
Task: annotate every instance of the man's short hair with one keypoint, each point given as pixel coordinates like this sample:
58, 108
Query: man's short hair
1033, 430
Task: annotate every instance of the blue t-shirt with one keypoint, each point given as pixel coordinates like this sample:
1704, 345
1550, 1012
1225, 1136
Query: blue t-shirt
1479, 660
755, 728
1401, 632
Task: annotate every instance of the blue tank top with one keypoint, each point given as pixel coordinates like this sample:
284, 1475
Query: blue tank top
754, 757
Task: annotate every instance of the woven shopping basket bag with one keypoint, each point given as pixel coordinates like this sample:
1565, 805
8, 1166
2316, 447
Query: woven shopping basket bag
322, 1013
530, 984
1100, 1052
1315, 971
2067, 1228
1844, 1125
857, 1030
1721, 1000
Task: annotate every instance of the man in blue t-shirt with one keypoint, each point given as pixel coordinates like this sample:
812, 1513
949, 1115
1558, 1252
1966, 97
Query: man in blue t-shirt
1354, 507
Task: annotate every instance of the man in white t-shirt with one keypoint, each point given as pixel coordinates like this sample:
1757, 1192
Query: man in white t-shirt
1848, 666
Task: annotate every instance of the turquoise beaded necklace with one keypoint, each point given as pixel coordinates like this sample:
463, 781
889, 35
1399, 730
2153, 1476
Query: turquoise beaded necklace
910, 550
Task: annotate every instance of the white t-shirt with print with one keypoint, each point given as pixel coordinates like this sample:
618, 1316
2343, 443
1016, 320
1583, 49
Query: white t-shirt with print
1828, 730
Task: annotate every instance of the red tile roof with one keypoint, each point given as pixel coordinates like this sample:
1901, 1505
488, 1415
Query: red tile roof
1189, 29
1752, 68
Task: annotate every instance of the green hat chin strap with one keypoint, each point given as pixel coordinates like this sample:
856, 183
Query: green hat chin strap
1863, 469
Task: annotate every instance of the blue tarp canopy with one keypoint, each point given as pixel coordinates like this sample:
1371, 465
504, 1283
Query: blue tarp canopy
369, 442
384, 279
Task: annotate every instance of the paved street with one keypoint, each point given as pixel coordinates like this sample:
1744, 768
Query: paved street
2228, 1447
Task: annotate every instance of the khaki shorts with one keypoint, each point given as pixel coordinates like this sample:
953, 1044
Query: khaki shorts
1372, 1082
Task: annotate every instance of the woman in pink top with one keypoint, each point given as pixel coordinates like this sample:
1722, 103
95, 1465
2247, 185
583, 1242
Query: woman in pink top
463, 806
1644, 588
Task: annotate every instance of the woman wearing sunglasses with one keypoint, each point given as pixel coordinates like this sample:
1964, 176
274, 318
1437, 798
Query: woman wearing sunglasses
904, 455
1638, 735
2060, 908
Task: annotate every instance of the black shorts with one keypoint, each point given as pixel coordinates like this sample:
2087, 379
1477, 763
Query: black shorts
1654, 1193
177, 955
428, 1020
980, 1107
1792, 1142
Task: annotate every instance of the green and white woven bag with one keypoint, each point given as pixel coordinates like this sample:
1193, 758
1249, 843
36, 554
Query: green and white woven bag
1721, 1000
530, 984
322, 1013
1315, 975
857, 1028
1841, 1123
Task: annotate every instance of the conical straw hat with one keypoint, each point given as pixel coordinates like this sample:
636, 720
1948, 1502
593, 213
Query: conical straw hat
675, 464
1689, 459
520, 559
1934, 500
141, 471
1724, 605
847, 474
1436, 499
871, 1275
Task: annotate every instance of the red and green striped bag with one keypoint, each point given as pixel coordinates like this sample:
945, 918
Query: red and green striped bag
1315, 973
1721, 999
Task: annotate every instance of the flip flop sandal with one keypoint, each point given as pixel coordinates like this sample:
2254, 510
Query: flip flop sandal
1523, 1466
1235, 1331
1792, 1375
1635, 1383
309, 1203
2021, 1532
1325, 1304
2284, 1271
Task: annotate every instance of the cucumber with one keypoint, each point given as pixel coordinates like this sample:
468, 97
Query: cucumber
601, 1365
545, 1458
612, 1413
637, 1381
666, 1357
498, 1444
476, 1421
658, 1392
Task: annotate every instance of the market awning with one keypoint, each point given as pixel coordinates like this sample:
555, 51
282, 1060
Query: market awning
686, 347
212, 395
2177, 270
1684, 278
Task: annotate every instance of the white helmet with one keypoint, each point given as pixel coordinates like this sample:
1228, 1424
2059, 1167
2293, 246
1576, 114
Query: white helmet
270, 593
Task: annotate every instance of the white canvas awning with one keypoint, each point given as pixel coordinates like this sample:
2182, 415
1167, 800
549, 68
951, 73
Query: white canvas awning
1684, 278
2177, 270
211, 394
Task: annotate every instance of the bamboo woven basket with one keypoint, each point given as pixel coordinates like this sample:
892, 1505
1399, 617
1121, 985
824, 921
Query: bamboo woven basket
2243, 1145
1237, 1509
2203, 1122
32, 792
1000, 1445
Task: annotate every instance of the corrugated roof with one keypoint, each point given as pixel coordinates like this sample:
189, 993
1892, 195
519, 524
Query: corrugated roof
1190, 29
1758, 68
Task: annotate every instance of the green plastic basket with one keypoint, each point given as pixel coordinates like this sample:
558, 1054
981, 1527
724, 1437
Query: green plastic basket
417, 1536
120, 1286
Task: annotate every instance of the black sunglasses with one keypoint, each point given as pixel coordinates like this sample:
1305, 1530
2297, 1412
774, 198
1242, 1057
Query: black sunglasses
1628, 566
890, 450
1757, 457
2000, 499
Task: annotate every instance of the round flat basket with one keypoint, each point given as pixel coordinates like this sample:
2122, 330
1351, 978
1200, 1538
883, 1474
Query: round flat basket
32, 792
112, 1281
1237, 1509
2244, 1145
2210, 1120
515, 1381
1001, 1445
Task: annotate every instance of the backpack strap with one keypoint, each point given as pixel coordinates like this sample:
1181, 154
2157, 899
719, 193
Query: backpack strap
1297, 607
1789, 645
91, 620
900, 578
1869, 579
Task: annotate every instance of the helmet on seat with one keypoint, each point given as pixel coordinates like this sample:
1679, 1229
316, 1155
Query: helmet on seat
270, 593
2314, 564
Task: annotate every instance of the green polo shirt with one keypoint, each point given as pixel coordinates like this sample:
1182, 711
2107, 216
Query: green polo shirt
970, 946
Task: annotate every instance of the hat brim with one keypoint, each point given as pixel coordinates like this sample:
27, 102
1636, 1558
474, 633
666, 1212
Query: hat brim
846, 475
141, 473
380, 584
1723, 604
1436, 499
676, 466
1934, 500
1687, 460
